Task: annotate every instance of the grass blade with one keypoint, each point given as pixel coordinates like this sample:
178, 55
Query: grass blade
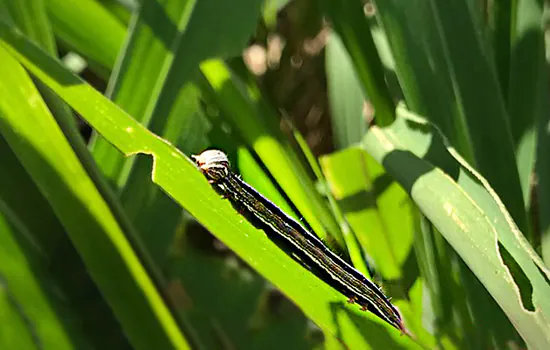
133, 296
498, 248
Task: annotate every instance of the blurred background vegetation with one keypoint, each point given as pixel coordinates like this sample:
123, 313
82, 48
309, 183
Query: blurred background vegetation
411, 136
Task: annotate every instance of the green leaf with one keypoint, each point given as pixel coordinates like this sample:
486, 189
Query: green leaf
346, 97
371, 201
45, 153
348, 20
542, 171
18, 335
75, 23
34, 322
528, 89
472, 218
121, 9
31, 17
441, 81
65, 270
436, 260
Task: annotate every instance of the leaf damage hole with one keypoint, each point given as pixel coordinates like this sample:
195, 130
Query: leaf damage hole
520, 278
